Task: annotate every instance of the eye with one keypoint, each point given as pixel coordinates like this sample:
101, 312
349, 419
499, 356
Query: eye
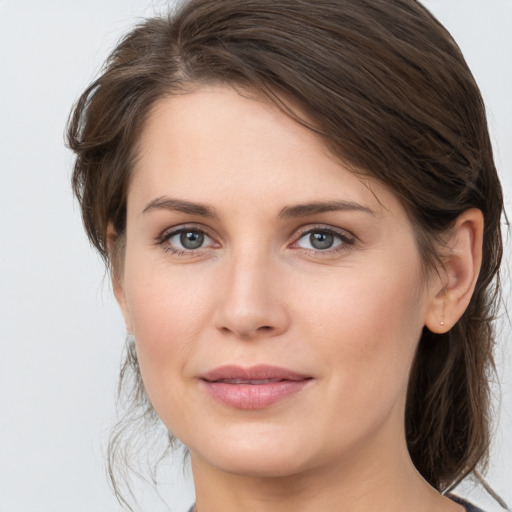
189, 239
185, 240
323, 240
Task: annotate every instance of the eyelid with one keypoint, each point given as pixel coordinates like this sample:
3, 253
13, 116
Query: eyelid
324, 227
192, 226
170, 232
347, 238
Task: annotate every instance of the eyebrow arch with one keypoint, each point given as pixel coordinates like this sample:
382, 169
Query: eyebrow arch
179, 205
303, 210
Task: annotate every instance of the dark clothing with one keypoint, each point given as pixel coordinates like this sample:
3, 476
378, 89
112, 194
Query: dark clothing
468, 506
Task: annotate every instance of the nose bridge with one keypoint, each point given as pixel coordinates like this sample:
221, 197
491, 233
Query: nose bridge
249, 278
250, 301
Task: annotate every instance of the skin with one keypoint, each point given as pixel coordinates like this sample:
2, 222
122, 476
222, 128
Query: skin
257, 292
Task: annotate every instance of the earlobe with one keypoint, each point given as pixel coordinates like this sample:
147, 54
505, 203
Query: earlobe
462, 260
115, 245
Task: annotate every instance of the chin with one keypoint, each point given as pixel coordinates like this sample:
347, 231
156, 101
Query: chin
260, 465
256, 455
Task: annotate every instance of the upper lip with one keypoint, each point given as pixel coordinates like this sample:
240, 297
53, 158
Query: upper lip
254, 373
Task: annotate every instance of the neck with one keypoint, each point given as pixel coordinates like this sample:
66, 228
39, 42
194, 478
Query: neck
380, 479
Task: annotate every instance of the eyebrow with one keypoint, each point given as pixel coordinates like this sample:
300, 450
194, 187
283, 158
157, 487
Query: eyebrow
179, 205
303, 210
300, 210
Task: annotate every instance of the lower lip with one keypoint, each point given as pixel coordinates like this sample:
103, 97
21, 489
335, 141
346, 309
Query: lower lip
253, 396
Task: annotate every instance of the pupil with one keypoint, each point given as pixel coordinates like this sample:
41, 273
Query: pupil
321, 240
191, 239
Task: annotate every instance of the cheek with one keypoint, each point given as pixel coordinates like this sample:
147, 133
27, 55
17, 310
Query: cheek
366, 328
168, 310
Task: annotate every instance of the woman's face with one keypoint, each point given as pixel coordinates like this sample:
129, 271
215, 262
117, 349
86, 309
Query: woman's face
276, 299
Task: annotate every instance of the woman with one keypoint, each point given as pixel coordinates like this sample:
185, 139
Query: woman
301, 214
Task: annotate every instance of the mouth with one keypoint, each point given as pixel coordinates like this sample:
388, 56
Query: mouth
257, 387
254, 382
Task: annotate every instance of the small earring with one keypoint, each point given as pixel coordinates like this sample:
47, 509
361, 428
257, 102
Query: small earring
442, 321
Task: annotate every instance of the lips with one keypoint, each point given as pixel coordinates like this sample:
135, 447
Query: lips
257, 387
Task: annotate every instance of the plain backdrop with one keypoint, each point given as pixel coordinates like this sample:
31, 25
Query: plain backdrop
60, 332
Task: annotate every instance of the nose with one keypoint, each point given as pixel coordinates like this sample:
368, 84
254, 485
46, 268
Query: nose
251, 300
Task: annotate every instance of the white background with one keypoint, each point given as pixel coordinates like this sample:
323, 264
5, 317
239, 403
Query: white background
60, 332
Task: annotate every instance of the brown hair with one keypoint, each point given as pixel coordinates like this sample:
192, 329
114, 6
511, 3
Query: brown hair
388, 90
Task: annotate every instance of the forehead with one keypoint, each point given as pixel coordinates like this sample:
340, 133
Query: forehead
217, 142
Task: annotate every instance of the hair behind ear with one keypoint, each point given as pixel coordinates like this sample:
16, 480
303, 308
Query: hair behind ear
448, 396
116, 247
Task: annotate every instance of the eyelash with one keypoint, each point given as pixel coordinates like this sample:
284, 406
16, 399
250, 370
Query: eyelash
164, 240
346, 240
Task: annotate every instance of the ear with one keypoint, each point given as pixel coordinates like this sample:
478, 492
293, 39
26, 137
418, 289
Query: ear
115, 246
462, 261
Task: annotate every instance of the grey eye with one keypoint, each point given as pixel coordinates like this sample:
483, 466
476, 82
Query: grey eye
320, 240
187, 240
191, 239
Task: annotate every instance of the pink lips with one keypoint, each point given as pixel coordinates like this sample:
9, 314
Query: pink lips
257, 387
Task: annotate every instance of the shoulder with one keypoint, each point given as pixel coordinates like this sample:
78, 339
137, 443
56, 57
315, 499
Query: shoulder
468, 506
